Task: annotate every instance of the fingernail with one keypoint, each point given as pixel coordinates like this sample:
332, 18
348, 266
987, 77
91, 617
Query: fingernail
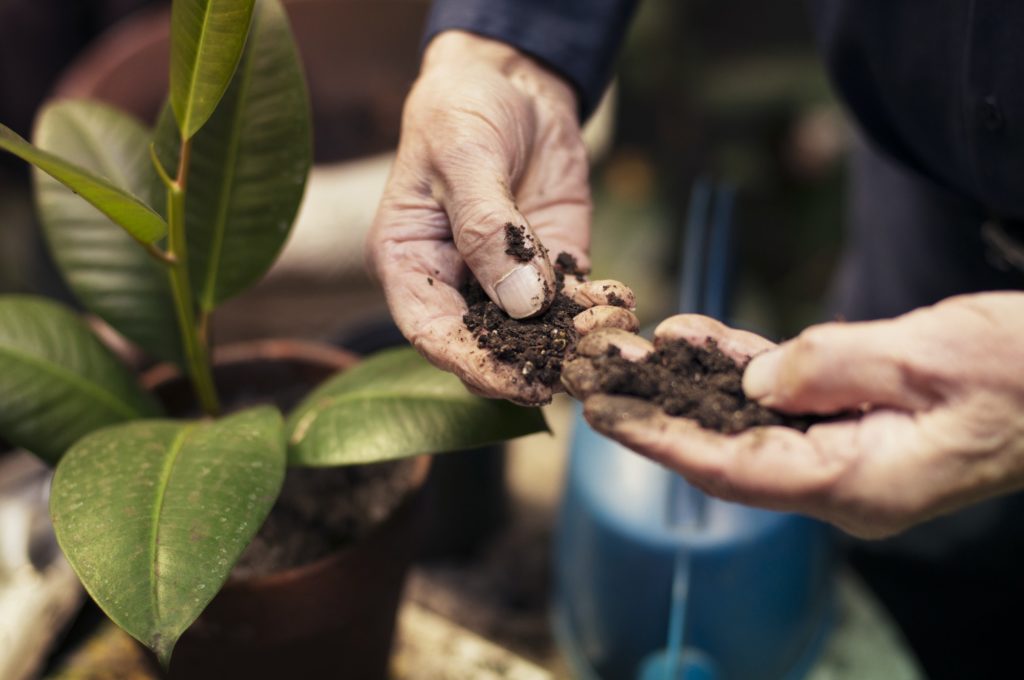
761, 375
521, 292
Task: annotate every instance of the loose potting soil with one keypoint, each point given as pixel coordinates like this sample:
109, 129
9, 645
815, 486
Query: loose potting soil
321, 510
536, 346
694, 382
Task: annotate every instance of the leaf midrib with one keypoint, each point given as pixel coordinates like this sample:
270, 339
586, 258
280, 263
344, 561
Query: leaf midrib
173, 453
64, 168
193, 78
209, 298
69, 376
418, 396
305, 419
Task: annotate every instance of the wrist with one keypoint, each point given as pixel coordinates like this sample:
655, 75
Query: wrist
455, 50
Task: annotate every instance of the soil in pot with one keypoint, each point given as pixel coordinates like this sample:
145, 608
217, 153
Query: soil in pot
538, 346
316, 592
321, 511
689, 381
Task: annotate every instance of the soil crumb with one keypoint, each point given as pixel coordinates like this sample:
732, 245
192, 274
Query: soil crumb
567, 265
537, 347
688, 381
518, 244
615, 301
321, 510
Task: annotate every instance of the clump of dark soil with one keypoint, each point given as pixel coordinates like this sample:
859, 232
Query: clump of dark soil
518, 244
694, 382
566, 265
615, 301
321, 510
537, 347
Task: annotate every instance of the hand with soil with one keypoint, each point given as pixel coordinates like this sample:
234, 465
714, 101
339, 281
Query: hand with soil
935, 401
491, 172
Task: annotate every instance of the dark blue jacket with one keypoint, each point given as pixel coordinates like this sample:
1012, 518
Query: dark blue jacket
938, 84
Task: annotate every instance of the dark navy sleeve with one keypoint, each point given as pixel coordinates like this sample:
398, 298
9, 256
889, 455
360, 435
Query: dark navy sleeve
576, 38
937, 86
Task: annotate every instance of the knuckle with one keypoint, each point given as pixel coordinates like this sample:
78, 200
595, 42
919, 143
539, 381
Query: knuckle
604, 316
459, 156
812, 342
477, 224
805, 360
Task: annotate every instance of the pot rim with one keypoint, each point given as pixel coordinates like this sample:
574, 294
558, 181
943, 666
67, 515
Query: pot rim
331, 357
260, 350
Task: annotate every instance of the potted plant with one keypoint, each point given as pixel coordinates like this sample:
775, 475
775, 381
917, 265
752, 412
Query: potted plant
153, 230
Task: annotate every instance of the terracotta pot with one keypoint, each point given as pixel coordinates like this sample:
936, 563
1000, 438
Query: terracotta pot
333, 618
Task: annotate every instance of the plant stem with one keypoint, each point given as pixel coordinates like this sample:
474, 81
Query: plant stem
157, 254
197, 353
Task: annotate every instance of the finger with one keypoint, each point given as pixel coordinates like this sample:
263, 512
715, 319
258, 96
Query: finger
872, 476
554, 192
420, 279
839, 366
493, 237
697, 329
729, 467
601, 292
774, 468
605, 317
631, 346
581, 378
447, 343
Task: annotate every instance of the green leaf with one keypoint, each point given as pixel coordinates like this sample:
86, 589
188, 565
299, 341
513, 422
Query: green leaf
109, 273
57, 381
248, 165
207, 37
126, 210
395, 405
153, 515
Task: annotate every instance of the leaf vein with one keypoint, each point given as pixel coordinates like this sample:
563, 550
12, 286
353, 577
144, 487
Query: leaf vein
76, 380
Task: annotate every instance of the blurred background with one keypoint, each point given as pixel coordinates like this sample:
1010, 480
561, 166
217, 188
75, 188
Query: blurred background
732, 89
726, 89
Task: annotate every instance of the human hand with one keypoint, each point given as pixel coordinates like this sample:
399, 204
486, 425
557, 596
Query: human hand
489, 138
940, 398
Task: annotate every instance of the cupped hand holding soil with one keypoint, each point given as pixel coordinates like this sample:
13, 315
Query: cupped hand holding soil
685, 377
489, 177
534, 349
930, 410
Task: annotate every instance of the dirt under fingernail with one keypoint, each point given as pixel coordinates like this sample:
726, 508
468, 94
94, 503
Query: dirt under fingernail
689, 381
535, 347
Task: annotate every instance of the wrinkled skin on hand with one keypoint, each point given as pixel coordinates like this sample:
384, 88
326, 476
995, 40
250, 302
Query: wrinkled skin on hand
940, 398
489, 138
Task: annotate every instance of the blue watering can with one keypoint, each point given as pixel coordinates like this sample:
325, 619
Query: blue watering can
654, 580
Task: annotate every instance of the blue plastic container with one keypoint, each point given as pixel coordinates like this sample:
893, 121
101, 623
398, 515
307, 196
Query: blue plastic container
760, 590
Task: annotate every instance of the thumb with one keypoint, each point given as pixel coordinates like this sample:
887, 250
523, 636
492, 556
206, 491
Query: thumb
494, 238
841, 366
